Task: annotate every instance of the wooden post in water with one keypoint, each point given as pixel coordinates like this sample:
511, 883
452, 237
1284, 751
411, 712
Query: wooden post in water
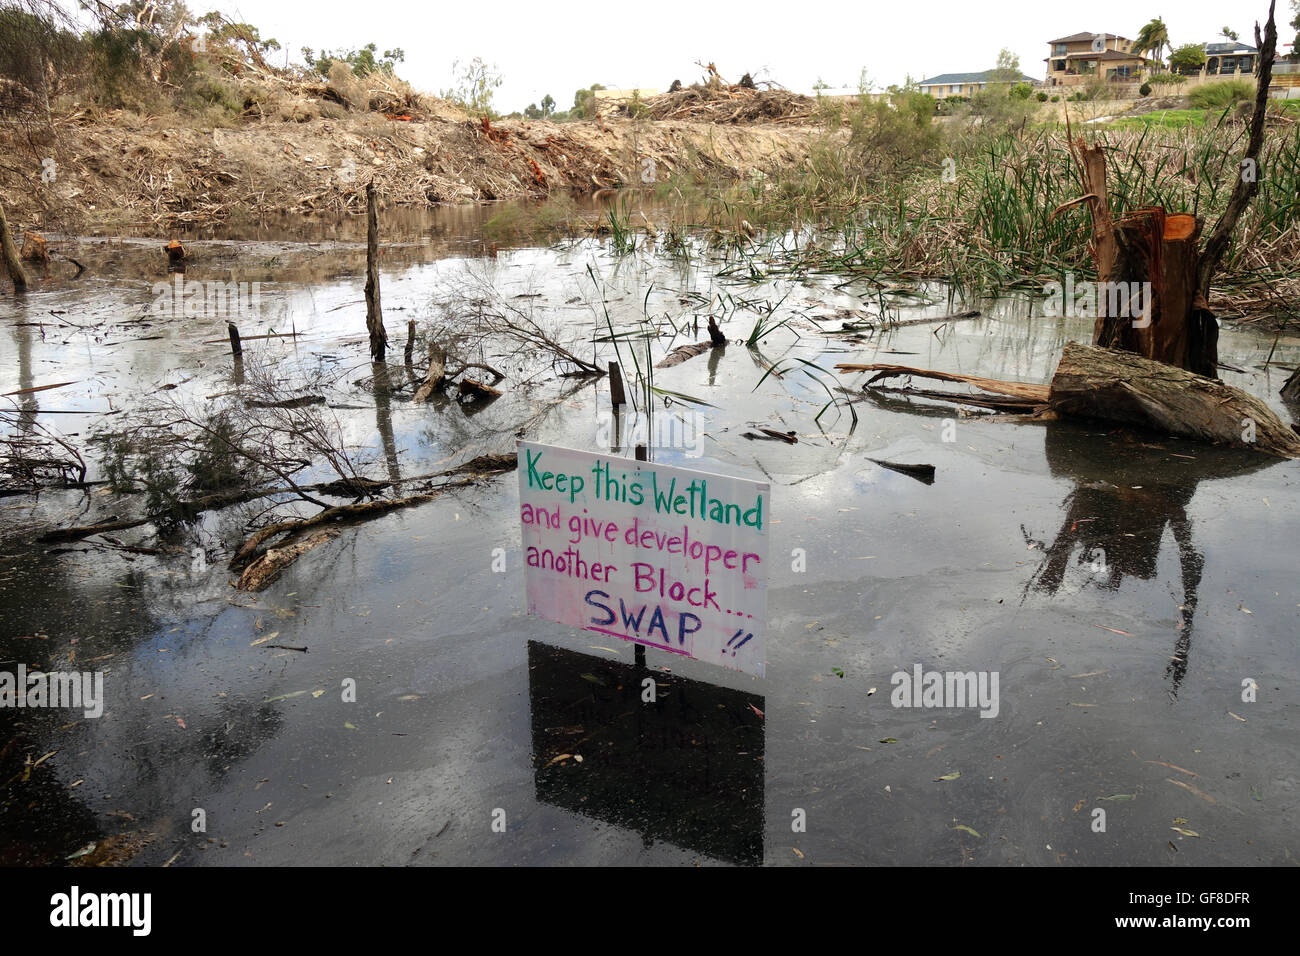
410, 342
374, 314
236, 348
616, 394
9, 251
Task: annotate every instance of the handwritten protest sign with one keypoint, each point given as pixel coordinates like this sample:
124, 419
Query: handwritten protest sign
662, 556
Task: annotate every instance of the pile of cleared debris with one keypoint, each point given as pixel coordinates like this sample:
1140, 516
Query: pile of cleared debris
730, 104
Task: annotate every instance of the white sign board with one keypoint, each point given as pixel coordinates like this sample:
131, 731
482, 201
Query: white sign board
661, 556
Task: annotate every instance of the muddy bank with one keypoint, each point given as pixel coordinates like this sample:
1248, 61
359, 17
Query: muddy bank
125, 168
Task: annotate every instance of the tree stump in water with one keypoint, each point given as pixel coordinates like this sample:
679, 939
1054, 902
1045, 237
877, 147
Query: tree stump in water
9, 253
36, 248
1147, 263
1151, 246
1162, 318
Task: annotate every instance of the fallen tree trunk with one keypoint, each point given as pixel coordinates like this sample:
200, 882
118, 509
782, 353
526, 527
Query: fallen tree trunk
267, 568
1025, 391
1119, 386
475, 469
683, 352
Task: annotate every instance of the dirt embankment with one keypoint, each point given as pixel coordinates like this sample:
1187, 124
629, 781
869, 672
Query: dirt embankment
124, 168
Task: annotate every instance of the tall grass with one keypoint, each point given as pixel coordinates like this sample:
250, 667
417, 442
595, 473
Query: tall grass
992, 223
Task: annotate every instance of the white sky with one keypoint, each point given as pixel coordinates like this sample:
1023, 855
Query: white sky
541, 47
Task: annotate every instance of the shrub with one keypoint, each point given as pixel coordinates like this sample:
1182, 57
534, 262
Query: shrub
1042, 97
1217, 96
1144, 89
892, 132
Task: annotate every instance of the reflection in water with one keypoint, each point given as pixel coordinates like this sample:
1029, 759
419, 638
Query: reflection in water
383, 388
1116, 516
687, 769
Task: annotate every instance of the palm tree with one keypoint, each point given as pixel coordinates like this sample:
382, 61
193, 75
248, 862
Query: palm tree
1152, 39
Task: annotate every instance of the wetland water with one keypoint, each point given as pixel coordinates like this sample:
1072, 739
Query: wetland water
1119, 675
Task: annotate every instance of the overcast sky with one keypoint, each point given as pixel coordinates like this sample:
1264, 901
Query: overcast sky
557, 48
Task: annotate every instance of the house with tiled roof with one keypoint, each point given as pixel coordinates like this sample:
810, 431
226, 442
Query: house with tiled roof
963, 84
1230, 58
1079, 57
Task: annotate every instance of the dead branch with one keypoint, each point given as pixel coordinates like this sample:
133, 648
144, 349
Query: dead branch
475, 470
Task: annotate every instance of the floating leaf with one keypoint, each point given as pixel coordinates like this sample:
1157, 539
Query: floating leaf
297, 693
1119, 797
962, 826
889, 740
948, 776
1190, 789
681, 397
1113, 630
84, 851
797, 852
317, 693
1184, 831
262, 640
593, 678
837, 671
349, 725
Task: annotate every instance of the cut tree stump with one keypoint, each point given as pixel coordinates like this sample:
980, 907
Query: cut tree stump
36, 248
1151, 246
1147, 264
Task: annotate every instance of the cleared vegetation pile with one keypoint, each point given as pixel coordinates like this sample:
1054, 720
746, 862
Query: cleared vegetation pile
730, 104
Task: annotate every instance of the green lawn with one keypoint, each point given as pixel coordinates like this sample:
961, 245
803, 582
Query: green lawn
1168, 119
1177, 119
